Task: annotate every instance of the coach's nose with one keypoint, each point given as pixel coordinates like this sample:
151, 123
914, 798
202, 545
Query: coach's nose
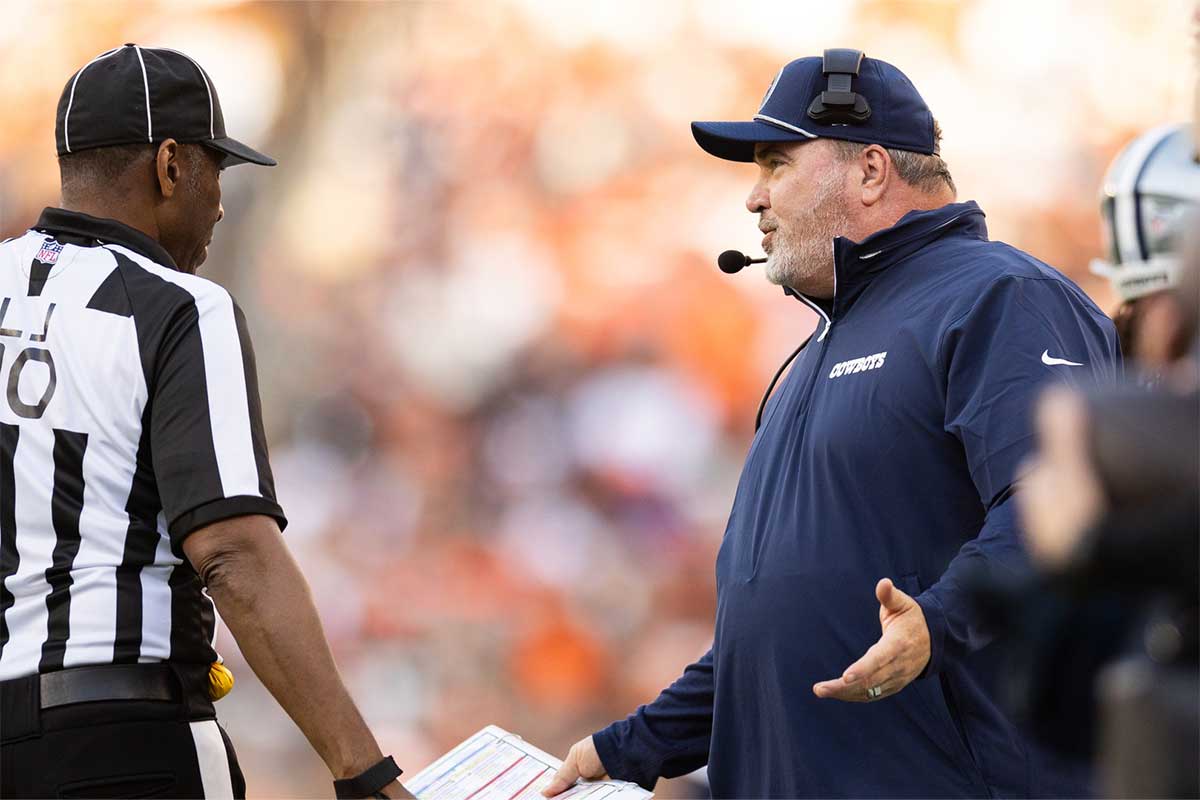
759, 198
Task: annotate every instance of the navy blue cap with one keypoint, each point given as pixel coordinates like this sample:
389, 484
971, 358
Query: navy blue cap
133, 94
898, 115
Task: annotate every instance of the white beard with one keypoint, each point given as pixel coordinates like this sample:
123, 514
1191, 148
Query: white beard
786, 263
804, 260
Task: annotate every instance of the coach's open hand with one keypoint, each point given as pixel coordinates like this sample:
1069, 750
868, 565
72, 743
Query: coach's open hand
582, 761
892, 662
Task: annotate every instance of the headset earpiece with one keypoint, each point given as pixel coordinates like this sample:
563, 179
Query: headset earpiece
838, 104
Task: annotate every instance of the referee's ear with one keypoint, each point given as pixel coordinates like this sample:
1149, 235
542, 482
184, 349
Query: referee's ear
167, 168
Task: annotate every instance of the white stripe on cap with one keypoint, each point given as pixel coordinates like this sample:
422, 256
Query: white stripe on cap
207, 87
782, 124
212, 759
146, 84
71, 99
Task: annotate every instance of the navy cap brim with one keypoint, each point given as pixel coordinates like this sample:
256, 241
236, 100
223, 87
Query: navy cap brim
734, 141
238, 153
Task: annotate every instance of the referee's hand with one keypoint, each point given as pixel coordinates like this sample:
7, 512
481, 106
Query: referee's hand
582, 761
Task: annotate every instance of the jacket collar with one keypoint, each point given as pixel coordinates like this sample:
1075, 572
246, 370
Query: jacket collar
101, 231
856, 263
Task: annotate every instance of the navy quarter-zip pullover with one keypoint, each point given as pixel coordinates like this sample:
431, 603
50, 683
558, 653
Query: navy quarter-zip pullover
888, 451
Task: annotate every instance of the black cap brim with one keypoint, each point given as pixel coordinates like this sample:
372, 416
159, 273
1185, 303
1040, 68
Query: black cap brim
238, 153
734, 141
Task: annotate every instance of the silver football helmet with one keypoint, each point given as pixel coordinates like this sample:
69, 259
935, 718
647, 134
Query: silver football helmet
1149, 190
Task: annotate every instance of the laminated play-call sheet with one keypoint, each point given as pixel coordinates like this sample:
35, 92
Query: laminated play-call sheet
497, 765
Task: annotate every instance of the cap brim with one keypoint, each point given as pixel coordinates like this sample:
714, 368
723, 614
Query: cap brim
238, 153
734, 141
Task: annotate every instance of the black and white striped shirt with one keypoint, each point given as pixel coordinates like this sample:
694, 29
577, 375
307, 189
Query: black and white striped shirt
130, 418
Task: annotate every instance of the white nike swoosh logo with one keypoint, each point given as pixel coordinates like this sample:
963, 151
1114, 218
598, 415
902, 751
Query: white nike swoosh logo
1051, 361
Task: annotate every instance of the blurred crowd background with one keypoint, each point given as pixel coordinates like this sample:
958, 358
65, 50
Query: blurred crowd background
507, 391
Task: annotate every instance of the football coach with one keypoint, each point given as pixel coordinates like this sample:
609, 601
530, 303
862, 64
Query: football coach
846, 659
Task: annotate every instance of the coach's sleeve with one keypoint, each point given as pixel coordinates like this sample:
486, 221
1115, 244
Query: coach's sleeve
1020, 335
666, 738
206, 435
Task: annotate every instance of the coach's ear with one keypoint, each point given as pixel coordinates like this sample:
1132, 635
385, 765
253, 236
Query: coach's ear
167, 167
876, 166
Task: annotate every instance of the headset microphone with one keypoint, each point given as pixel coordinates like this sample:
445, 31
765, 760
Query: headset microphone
732, 261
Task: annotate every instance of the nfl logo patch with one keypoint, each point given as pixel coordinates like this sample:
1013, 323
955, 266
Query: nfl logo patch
48, 255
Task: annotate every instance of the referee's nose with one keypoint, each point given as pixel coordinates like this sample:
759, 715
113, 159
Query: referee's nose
220, 212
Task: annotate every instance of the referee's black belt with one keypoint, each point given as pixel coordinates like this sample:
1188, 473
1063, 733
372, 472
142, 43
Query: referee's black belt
96, 683
23, 701
108, 682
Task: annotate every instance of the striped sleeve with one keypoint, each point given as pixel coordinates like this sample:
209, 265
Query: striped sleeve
207, 441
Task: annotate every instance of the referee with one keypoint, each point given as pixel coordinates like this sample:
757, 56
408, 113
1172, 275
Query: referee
135, 489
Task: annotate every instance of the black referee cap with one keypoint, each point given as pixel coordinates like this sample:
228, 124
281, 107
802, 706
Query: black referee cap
135, 94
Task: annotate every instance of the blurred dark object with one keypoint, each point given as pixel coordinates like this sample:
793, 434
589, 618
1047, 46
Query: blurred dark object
1054, 651
1104, 650
1147, 452
1145, 446
1149, 731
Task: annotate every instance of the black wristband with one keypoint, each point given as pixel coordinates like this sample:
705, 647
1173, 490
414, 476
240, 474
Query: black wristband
369, 782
